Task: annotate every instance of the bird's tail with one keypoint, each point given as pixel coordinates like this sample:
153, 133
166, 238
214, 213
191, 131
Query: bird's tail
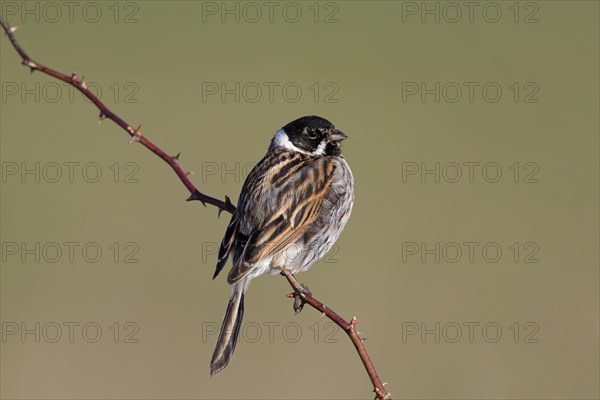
229, 329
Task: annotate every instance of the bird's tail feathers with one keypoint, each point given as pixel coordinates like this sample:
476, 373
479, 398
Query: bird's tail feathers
230, 330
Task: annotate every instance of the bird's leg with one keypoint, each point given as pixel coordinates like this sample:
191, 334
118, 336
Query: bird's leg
297, 295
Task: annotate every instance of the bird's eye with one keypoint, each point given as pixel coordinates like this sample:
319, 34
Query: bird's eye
312, 134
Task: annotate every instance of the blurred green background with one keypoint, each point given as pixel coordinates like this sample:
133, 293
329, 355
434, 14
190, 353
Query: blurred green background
440, 323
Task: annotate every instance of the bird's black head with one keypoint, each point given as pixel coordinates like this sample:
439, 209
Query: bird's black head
311, 135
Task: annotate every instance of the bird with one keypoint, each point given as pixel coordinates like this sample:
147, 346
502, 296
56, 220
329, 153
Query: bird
292, 208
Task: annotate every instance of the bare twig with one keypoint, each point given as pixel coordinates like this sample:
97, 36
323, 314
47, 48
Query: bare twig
348, 327
226, 205
136, 134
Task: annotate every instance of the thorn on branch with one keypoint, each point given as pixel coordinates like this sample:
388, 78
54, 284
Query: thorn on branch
13, 29
101, 117
176, 157
135, 134
228, 203
196, 196
193, 196
32, 66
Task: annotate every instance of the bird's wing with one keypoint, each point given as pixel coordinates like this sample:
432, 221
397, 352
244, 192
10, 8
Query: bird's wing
300, 196
227, 243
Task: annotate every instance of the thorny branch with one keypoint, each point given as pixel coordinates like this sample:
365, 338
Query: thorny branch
226, 205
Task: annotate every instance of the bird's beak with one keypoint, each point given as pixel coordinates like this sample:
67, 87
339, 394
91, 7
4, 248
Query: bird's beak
337, 136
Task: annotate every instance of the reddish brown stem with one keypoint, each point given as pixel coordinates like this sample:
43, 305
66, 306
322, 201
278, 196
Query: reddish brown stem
226, 205
105, 112
348, 327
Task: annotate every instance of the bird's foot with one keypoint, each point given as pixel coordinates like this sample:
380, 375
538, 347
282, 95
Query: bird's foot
298, 300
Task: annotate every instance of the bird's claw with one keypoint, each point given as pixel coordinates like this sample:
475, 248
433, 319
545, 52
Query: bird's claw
298, 300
